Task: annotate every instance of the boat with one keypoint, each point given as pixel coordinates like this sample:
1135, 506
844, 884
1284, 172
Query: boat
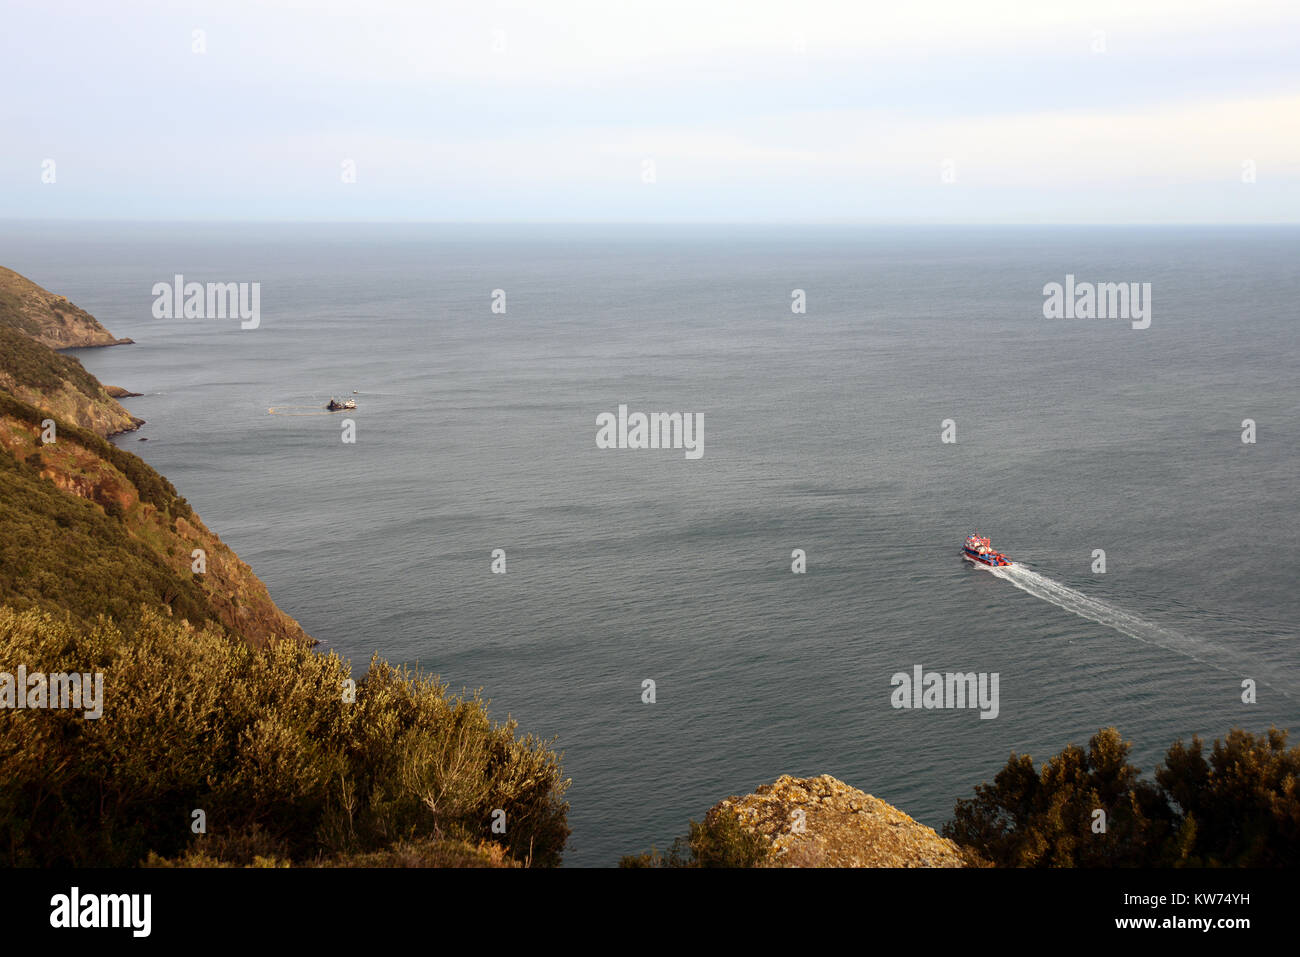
977, 549
336, 406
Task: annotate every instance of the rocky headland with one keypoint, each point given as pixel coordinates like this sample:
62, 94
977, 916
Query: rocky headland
49, 318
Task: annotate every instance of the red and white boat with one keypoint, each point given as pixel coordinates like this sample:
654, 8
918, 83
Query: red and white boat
978, 549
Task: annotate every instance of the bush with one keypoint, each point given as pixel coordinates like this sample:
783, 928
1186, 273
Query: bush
720, 840
64, 552
1240, 808
265, 745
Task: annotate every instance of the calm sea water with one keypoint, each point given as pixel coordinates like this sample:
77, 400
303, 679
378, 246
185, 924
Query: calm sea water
822, 432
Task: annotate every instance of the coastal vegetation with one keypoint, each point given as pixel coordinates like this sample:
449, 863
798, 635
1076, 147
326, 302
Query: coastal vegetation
59, 385
1235, 804
64, 552
717, 841
38, 367
92, 529
272, 752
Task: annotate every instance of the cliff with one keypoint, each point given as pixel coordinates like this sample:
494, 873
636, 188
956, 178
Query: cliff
59, 384
49, 319
89, 528
33, 323
823, 822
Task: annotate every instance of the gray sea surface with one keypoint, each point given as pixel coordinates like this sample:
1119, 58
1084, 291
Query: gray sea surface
476, 431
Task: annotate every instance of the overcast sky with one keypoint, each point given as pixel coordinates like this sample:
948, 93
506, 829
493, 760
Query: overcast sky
560, 110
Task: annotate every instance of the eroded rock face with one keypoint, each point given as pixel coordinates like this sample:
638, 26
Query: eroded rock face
91, 409
823, 822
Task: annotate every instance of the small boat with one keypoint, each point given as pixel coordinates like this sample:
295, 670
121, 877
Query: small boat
336, 406
978, 549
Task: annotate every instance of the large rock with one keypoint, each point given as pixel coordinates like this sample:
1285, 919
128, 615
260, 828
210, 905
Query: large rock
823, 822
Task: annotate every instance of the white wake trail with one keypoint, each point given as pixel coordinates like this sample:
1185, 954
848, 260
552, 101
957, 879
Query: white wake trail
1134, 626
1104, 613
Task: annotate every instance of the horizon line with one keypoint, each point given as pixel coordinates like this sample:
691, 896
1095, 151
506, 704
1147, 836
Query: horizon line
642, 222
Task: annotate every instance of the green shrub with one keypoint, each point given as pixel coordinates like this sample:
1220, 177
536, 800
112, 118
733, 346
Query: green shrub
37, 366
65, 552
1239, 808
720, 840
264, 744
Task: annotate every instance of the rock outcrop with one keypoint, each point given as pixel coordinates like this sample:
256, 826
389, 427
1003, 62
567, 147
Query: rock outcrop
823, 822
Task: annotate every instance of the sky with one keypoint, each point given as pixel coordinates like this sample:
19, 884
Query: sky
924, 111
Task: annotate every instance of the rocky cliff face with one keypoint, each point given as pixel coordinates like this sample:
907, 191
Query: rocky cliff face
49, 319
823, 822
33, 323
60, 385
143, 542
138, 545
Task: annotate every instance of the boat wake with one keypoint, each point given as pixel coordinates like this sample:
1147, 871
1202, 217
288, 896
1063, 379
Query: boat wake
1134, 626
1104, 613
292, 410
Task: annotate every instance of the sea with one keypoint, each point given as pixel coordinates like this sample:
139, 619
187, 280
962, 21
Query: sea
1143, 480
